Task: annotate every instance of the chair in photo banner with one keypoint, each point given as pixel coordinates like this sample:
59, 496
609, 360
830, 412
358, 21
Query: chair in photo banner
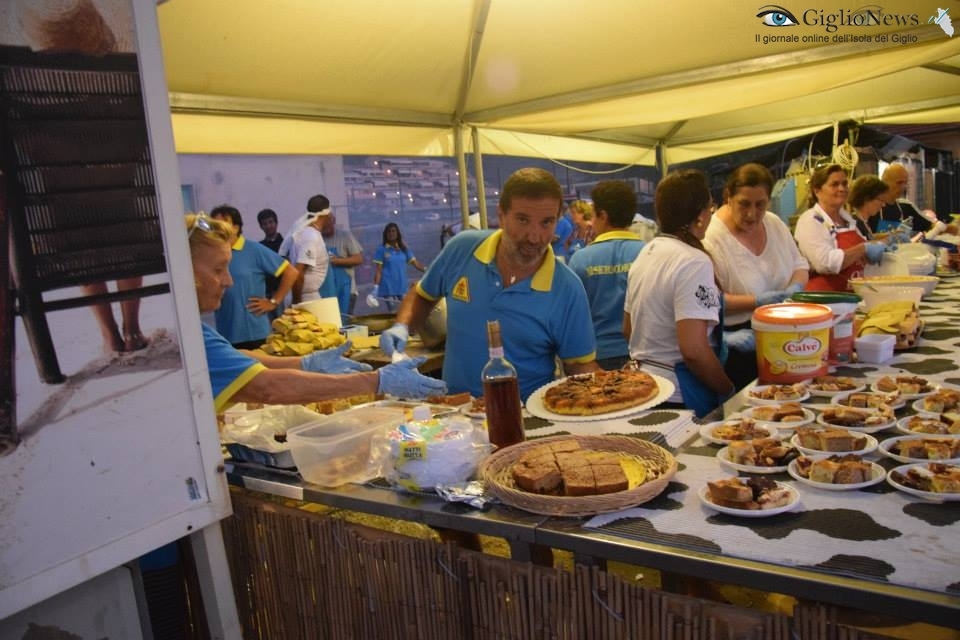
81, 206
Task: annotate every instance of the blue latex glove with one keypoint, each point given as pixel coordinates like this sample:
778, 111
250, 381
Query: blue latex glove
771, 297
394, 339
875, 251
401, 379
796, 287
899, 237
332, 361
740, 340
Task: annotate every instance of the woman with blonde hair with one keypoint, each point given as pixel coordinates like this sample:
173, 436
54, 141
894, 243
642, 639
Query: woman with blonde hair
254, 376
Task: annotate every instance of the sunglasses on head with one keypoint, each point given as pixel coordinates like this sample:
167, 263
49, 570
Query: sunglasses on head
200, 221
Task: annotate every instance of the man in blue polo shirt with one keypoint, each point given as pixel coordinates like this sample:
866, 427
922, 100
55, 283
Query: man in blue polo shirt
510, 275
603, 266
243, 317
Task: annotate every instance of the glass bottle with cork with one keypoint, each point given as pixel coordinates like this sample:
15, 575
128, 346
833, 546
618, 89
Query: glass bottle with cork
501, 393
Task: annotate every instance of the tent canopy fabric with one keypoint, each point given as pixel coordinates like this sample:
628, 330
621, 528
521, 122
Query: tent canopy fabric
567, 79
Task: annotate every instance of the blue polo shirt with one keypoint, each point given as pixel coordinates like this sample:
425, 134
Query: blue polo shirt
230, 370
250, 266
602, 267
542, 317
563, 231
393, 277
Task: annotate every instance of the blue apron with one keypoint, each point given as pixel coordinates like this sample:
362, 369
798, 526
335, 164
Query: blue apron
697, 396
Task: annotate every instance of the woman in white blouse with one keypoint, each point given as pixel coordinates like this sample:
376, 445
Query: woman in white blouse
756, 260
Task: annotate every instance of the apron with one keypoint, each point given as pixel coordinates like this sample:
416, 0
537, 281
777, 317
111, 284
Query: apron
845, 239
697, 396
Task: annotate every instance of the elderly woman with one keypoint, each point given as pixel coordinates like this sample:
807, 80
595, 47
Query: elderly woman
254, 376
673, 309
868, 195
581, 213
756, 261
828, 236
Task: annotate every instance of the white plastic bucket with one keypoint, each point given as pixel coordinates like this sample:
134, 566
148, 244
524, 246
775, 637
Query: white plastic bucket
793, 341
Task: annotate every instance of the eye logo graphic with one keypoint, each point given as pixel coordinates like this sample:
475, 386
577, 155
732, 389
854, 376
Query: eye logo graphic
776, 16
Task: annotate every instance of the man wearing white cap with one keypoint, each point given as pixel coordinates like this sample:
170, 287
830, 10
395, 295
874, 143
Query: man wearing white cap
309, 252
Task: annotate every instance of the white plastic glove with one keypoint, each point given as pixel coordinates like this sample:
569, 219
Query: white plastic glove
394, 339
402, 380
332, 361
372, 297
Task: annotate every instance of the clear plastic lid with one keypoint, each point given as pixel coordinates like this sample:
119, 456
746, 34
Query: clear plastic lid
422, 413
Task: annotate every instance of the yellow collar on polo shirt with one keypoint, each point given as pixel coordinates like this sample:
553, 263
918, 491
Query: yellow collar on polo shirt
616, 234
486, 252
238, 245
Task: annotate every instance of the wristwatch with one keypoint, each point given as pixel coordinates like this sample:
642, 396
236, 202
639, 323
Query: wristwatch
273, 301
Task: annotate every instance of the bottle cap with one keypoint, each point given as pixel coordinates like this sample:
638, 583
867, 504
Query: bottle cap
422, 413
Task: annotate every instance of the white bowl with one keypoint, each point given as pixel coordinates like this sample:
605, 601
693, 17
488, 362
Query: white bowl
885, 293
927, 283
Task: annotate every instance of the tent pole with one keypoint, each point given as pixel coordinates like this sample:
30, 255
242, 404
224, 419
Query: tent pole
478, 171
661, 150
462, 175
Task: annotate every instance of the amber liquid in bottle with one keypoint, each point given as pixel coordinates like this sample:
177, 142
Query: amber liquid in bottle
501, 393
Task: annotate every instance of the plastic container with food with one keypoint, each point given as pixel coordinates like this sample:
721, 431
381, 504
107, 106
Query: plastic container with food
871, 283
872, 296
337, 449
793, 341
875, 348
844, 307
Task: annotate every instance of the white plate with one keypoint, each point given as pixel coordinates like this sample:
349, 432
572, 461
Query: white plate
929, 495
722, 457
902, 424
706, 431
871, 429
757, 401
877, 474
870, 447
918, 407
536, 408
704, 494
908, 396
839, 399
829, 394
808, 417
887, 444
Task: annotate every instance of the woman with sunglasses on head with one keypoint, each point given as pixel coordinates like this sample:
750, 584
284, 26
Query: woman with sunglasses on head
673, 316
254, 376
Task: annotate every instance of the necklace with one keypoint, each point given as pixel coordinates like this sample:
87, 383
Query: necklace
513, 279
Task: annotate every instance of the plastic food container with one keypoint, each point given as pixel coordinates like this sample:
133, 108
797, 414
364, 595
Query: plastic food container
793, 341
336, 449
877, 295
844, 307
875, 348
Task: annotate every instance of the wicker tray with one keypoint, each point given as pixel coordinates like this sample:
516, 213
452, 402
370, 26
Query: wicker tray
495, 471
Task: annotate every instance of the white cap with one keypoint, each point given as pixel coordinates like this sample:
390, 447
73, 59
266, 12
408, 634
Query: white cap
422, 413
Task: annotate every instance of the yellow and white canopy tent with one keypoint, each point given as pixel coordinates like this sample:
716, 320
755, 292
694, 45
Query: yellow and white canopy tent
605, 81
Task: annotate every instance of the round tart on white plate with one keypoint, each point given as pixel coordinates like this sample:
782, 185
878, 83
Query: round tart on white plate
929, 480
862, 420
733, 429
831, 385
910, 387
836, 472
814, 440
787, 415
928, 424
777, 393
943, 400
748, 497
918, 448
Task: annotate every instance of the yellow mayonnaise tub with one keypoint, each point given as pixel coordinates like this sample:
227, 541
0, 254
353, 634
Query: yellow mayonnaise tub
793, 341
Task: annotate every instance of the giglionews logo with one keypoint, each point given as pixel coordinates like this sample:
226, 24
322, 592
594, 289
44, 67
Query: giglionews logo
773, 15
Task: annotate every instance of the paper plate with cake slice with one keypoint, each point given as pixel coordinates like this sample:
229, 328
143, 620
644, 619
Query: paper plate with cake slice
814, 440
748, 497
870, 400
829, 386
853, 419
788, 415
909, 387
836, 472
932, 481
922, 448
757, 456
733, 429
927, 424
777, 393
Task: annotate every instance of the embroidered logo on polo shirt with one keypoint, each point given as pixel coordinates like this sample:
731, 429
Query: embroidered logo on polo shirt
461, 290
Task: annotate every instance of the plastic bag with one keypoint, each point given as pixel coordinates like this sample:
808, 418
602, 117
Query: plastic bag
438, 451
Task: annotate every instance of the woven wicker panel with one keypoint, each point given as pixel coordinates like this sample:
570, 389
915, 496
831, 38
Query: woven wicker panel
495, 471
